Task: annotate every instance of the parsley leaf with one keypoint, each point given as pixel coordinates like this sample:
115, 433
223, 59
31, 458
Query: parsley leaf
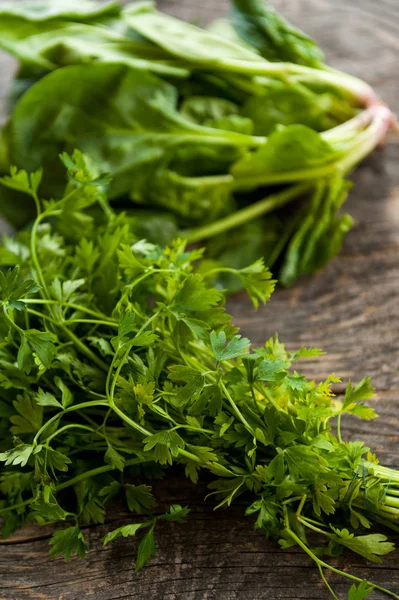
166, 445
21, 181
139, 498
257, 281
127, 323
176, 513
146, 549
113, 458
196, 296
353, 404
29, 418
47, 399
66, 542
18, 455
370, 546
236, 347
125, 531
360, 592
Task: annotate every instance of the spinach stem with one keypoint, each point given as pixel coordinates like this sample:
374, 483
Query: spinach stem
248, 213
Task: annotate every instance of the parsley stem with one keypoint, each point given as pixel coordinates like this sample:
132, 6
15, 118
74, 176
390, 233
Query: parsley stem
84, 349
71, 335
97, 471
71, 426
12, 322
128, 420
103, 425
33, 249
328, 586
219, 270
382, 472
77, 307
111, 391
191, 456
301, 505
254, 401
89, 404
191, 428
15, 506
92, 321
305, 522
291, 500
248, 213
31, 311
339, 428
147, 274
147, 433
37, 202
386, 522
109, 374
71, 321
308, 551
236, 409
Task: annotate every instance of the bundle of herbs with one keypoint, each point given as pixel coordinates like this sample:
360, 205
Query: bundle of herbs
118, 360
239, 134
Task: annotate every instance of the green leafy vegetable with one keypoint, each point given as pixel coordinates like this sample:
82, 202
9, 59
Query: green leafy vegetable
119, 359
67, 542
370, 546
74, 10
146, 548
274, 38
236, 346
125, 531
361, 592
201, 125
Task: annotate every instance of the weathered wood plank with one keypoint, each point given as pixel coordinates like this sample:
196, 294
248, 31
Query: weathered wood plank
351, 310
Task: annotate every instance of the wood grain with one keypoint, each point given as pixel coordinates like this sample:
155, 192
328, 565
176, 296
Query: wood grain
350, 309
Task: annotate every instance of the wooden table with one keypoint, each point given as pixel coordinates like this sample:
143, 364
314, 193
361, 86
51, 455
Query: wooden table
351, 309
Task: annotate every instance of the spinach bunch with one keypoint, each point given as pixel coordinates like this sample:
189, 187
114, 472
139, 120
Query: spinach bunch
118, 359
216, 132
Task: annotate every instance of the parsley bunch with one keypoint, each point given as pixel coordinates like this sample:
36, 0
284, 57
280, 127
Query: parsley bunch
238, 134
118, 359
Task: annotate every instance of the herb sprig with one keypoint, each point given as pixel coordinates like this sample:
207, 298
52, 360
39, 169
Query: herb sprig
238, 135
118, 360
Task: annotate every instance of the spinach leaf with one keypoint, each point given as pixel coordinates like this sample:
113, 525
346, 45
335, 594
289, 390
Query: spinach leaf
217, 113
43, 10
282, 104
187, 41
126, 120
292, 152
259, 25
53, 43
202, 124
